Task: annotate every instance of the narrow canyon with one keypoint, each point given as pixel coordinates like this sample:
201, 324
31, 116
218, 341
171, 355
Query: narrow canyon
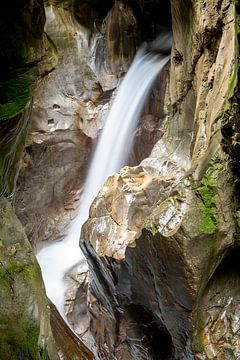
119, 180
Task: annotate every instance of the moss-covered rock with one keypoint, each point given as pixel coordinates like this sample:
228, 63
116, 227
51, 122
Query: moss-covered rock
23, 305
26, 55
13, 133
158, 232
21, 49
29, 328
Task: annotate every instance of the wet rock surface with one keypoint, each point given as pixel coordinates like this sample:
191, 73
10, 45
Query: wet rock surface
149, 15
66, 116
69, 345
162, 237
24, 316
153, 119
71, 96
218, 317
76, 311
69, 110
157, 232
158, 253
26, 57
50, 182
29, 328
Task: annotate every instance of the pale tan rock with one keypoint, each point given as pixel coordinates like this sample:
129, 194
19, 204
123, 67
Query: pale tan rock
157, 232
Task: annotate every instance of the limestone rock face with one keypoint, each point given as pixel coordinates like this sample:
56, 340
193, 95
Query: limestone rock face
50, 180
197, 80
66, 115
71, 96
161, 238
24, 314
75, 300
121, 37
149, 14
26, 56
158, 232
68, 344
69, 111
115, 29
153, 119
28, 329
218, 316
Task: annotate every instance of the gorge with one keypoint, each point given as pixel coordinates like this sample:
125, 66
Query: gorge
159, 278
111, 154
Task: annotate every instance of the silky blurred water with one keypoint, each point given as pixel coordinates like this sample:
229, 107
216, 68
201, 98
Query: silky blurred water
111, 154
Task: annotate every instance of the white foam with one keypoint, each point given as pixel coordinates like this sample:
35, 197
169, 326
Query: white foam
111, 154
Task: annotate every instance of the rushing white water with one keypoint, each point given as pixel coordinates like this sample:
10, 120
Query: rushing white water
111, 154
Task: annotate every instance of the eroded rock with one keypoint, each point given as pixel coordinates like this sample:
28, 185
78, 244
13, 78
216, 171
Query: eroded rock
24, 311
158, 231
26, 57
29, 329
218, 318
50, 182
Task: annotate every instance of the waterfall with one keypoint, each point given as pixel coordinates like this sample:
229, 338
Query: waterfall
110, 155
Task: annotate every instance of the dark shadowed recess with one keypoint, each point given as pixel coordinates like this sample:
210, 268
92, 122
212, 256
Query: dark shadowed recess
154, 15
90, 13
221, 298
231, 129
130, 288
229, 267
150, 337
151, 15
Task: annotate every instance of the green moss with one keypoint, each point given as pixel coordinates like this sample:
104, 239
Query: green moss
44, 354
52, 45
9, 276
19, 340
19, 330
207, 206
11, 151
4, 279
14, 76
230, 352
26, 270
197, 345
32, 341
200, 2
5, 286
14, 95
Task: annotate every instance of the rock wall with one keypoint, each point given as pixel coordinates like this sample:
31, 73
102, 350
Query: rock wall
29, 330
162, 238
26, 56
68, 113
24, 314
27, 327
158, 232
